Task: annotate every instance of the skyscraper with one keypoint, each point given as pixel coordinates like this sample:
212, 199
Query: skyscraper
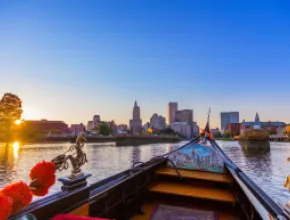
172, 109
157, 121
185, 115
96, 120
227, 118
136, 122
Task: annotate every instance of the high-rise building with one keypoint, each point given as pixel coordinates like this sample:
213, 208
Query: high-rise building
162, 122
172, 109
185, 115
157, 121
182, 128
90, 125
154, 121
195, 129
228, 118
136, 122
96, 121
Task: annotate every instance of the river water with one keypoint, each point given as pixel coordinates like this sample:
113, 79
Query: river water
268, 170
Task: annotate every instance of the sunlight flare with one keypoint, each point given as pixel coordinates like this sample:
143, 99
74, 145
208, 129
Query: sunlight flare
16, 149
18, 122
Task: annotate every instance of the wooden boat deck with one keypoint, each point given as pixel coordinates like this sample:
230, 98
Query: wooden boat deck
215, 177
149, 208
197, 190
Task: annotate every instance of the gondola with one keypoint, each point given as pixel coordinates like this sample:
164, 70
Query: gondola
195, 181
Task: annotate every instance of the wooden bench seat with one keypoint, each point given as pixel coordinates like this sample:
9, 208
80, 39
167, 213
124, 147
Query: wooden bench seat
192, 174
200, 192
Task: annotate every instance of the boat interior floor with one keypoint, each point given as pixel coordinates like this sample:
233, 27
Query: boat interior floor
196, 190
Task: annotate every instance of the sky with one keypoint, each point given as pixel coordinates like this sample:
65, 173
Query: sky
69, 60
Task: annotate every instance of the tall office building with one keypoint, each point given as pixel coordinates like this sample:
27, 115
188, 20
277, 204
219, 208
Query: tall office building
90, 125
172, 109
195, 129
184, 115
96, 121
136, 122
157, 121
227, 118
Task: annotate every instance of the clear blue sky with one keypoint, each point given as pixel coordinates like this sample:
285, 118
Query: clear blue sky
69, 60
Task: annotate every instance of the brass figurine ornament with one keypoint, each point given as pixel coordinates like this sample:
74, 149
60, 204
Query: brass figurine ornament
61, 161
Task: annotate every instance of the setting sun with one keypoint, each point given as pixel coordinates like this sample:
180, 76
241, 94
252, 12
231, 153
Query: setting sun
17, 122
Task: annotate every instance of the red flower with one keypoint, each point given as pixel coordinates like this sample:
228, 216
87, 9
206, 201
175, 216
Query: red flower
6, 206
38, 191
43, 177
20, 194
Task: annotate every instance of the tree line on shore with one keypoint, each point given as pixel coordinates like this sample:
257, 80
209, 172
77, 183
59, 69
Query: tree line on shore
10, 113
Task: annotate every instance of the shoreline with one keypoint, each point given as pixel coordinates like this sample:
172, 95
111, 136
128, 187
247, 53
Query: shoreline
228, 139
119, 140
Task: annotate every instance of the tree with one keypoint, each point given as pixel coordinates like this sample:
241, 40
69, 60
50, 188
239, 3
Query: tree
167, 131
272, 131
288, 128
10, 111
218, 135
105, 129
227, 134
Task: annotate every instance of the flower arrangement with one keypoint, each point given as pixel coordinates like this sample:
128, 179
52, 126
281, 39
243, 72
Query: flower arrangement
17, 195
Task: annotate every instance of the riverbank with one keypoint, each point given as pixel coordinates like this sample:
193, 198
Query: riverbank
119, 140
225, 139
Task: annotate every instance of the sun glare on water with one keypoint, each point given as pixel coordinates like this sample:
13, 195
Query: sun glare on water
17, 122
16, 149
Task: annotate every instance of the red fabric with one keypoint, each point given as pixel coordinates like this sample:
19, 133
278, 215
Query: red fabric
6, 206
20, 194
43, 175
74, 217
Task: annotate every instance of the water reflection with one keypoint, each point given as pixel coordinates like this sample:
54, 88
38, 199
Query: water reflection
136, 154
9, 156
16, 150
268, 169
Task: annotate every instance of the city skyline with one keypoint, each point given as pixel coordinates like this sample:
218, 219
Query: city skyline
212, 116
70, 63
